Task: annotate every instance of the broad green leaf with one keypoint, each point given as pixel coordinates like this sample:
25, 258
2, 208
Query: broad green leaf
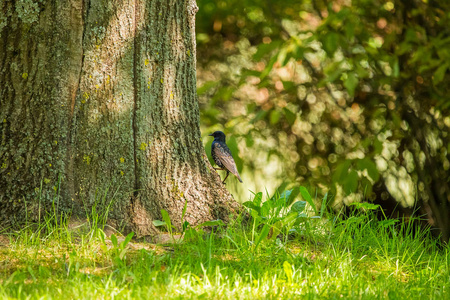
395, 68
293, 194
127, 239
266, 207
257, 199
285, 195
166, 218
274, 116
330, 43
438, 76
305, 194
291, 217
290, 116
275, 230
159, 223
255, 215
251, 205
264, 49
114, 240
298, 206
350, 83
186, 225
211, 223
122, 253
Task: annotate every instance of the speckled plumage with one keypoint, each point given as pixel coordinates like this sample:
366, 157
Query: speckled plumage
222, 155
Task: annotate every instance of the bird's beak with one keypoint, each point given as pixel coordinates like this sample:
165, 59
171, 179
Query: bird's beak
212, 134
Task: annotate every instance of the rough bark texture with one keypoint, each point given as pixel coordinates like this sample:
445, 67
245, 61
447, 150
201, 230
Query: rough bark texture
99, 106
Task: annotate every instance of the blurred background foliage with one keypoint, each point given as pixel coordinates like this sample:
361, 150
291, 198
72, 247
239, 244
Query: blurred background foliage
349, 97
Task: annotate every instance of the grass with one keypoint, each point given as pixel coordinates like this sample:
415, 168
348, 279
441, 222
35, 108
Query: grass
330, 257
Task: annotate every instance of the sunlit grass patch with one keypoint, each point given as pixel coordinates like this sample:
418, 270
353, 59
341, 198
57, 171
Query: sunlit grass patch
329, 257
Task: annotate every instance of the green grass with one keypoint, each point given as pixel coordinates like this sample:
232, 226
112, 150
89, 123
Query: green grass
353, 258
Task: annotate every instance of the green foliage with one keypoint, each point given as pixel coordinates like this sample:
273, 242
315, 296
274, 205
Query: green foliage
188, 230
118, 250
343, 95
353, 257
278, 215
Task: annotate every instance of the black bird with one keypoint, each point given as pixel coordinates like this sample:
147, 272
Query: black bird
222, 155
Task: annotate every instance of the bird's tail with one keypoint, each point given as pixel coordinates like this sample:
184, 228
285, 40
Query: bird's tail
239, 178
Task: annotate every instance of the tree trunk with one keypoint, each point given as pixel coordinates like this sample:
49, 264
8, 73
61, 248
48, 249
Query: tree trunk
99, 107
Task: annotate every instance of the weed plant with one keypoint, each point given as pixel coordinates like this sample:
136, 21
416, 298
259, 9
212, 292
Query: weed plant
286, 249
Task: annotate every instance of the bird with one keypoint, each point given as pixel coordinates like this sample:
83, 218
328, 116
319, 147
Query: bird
222, 155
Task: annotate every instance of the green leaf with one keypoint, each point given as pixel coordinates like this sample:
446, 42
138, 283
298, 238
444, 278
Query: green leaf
350, 83
291, 217
290, 116
298, 207
265, 208
257, 199
211, 223
114, 240
395, 68
292, 195
288, 271
102, 235
264, 49
127, 239
184, 210
159, 223
275, 230
274, 116
251, 205
249, 142
307, 197
186, 225
255, 215
438, 76
286, 195
333, 71
370, 166
166, 218
351, 182
264, 233
122, 253
268, 67
330, 43
324, 204
365, 205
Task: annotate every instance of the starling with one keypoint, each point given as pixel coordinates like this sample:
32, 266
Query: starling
222, 155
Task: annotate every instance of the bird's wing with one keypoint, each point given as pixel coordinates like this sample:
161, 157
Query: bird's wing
224, 154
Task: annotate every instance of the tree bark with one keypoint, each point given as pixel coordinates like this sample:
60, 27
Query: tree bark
99, 107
